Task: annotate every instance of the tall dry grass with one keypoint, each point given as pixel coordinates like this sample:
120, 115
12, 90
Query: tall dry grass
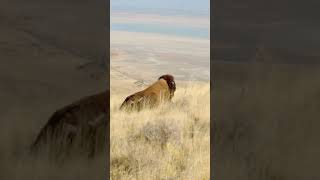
16, 163
266, 121
169, 142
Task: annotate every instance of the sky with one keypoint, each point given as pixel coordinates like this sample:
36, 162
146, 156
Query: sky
186, 6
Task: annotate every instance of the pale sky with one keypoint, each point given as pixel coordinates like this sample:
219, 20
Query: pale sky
185, 6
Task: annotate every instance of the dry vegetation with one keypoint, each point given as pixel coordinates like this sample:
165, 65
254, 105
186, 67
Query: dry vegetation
170, 142
265, 120
16, 163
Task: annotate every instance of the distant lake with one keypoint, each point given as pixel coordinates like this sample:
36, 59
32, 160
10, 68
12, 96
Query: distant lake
193, 32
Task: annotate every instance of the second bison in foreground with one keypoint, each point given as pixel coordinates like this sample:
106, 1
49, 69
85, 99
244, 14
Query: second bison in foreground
80, 127
160, 91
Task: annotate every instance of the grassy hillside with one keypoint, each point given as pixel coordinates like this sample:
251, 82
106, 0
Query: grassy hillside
170, 142
44, 52
265, 121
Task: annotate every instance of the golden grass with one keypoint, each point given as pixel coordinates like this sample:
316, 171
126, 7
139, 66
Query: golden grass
169, 142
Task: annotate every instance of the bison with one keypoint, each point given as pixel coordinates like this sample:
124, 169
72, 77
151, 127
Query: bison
81, 126
160, 91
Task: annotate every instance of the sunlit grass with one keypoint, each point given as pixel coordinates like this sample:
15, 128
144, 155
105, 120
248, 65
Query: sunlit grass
169, 142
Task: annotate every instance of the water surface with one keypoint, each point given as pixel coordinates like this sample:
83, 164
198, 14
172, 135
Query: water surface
184, 31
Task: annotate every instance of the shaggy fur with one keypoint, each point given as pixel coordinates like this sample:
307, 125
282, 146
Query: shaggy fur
162, 90
82, 125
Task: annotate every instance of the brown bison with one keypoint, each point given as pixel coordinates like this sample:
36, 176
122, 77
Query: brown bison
80, 127
160, 91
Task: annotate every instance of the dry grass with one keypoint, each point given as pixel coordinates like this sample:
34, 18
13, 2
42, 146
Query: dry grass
170, 142
265, 121
16, 163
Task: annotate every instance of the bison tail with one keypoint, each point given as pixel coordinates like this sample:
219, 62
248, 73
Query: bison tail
125, 102
34, 148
